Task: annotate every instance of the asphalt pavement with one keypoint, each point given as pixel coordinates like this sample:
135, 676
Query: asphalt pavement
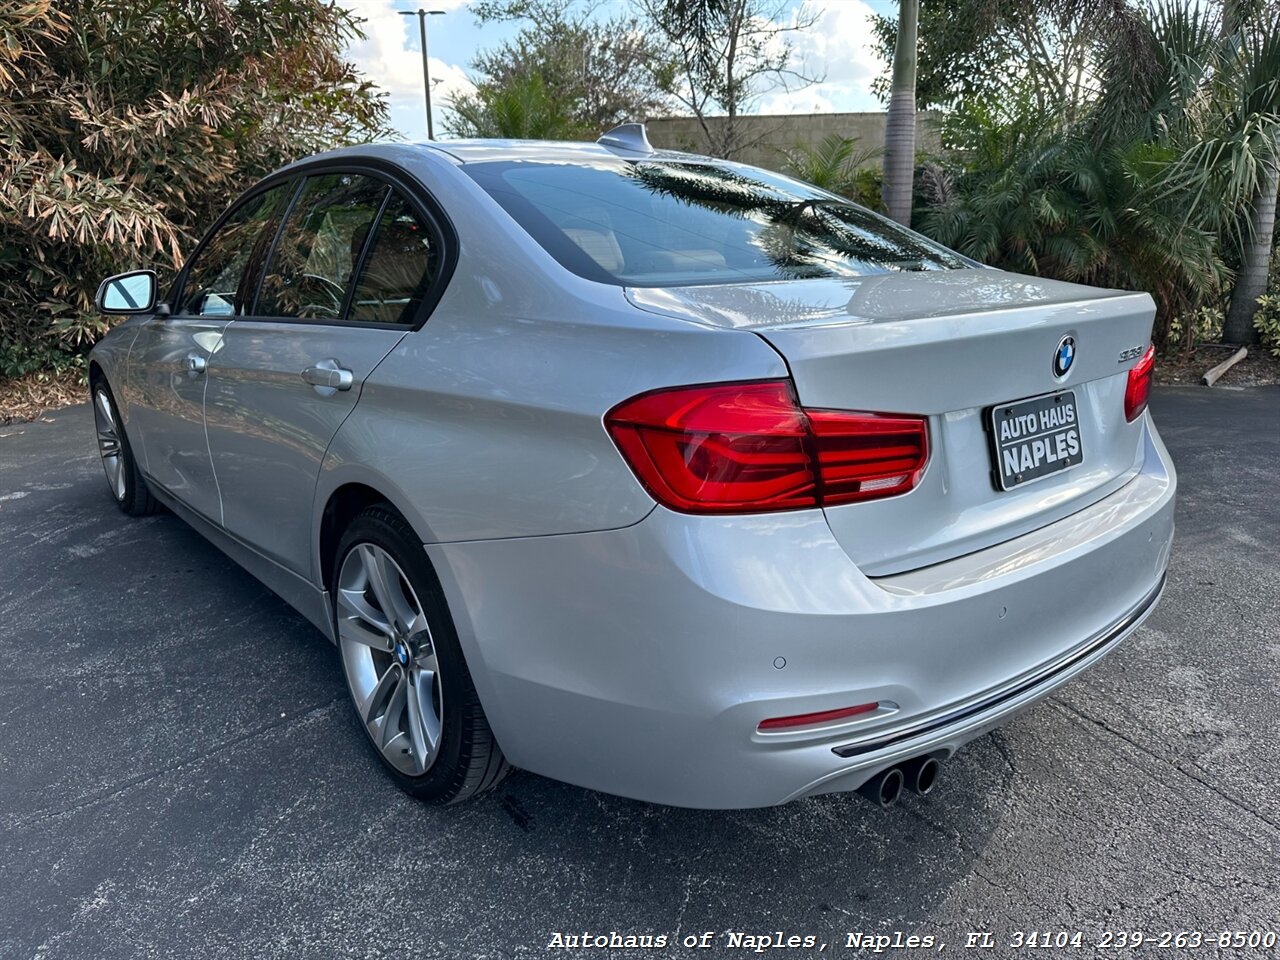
180, 775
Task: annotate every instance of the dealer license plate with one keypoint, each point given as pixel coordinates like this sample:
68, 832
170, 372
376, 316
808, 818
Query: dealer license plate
1032, 439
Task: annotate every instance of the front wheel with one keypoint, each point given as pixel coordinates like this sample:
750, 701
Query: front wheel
124, 479
404, 667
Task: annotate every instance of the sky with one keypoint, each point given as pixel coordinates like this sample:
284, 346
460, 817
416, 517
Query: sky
837, 48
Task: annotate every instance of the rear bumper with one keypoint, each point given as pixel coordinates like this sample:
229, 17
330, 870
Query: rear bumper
641, 661
921, 735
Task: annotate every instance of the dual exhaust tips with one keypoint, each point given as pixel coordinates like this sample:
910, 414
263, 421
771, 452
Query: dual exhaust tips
918, 775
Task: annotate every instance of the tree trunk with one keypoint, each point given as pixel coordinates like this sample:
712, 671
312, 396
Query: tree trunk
1251, 281
732, 89
900, 125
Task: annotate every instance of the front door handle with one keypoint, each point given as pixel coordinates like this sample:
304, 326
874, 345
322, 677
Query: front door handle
327, 376
195, 364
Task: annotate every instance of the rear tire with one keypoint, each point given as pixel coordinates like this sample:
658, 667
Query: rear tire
405, 671
124, 479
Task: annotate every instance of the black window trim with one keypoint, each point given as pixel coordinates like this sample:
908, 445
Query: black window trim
357, 271
298, 187
260, 266
398, 179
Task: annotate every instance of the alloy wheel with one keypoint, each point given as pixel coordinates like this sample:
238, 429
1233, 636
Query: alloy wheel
110, 446
390, 659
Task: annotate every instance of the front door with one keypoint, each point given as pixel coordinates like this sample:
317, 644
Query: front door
171, 355
343, 285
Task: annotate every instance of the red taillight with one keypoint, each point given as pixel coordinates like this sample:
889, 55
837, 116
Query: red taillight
866, 455
750, 447
809, 719
726, 448
1138, 389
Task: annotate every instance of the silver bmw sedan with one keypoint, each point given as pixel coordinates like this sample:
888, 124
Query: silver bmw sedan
662, 475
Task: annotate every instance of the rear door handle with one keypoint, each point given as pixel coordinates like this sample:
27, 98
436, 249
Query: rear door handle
195, 364
327, 375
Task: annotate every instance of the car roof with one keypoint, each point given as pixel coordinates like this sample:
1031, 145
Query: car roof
462, 152
483, 151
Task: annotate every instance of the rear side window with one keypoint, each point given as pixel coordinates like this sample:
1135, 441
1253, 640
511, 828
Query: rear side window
319, 247
668, 223
401, 263
220, 280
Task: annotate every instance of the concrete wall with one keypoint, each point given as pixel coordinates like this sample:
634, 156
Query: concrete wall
771, 134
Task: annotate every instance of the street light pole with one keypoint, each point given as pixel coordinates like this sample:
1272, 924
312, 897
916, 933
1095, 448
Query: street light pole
426, 70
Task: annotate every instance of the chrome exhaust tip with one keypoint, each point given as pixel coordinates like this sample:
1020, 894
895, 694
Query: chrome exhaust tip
922, 774
884, 788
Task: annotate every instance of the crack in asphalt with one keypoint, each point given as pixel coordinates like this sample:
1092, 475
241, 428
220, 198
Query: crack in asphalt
1002, 747
1165, 762
117, 789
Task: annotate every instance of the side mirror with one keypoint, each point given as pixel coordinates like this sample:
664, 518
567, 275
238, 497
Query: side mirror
133, 292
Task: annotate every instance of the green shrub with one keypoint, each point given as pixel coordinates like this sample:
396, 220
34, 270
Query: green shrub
1054, 204
522, 108
838, 164
1200, 326
1267, 322
42, 357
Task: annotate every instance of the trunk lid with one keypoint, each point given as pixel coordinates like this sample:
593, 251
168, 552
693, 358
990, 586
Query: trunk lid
949, 345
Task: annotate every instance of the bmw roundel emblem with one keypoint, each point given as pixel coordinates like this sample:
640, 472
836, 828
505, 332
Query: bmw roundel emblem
1064, 357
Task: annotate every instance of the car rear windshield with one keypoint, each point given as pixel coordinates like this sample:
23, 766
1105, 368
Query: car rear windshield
659, 223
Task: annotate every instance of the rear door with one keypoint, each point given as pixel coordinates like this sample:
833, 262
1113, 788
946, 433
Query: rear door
171, 355
350, 274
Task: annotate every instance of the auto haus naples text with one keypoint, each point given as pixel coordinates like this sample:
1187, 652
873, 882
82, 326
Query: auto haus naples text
1047, 436
770, 942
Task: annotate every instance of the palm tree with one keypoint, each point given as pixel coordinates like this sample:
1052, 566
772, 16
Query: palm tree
1207, 89
1252, 115
1255, 254
837, 164
521, 108
900, 125
1036, 201
1255, 260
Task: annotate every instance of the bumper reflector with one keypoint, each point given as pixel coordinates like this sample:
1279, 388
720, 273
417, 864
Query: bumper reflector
810, 719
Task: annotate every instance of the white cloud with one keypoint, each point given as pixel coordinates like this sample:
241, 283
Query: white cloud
387, 59
838, 47
816, 99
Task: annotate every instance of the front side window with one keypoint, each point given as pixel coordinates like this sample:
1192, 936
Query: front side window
219, 282
666, 223
319, 247
402, 261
